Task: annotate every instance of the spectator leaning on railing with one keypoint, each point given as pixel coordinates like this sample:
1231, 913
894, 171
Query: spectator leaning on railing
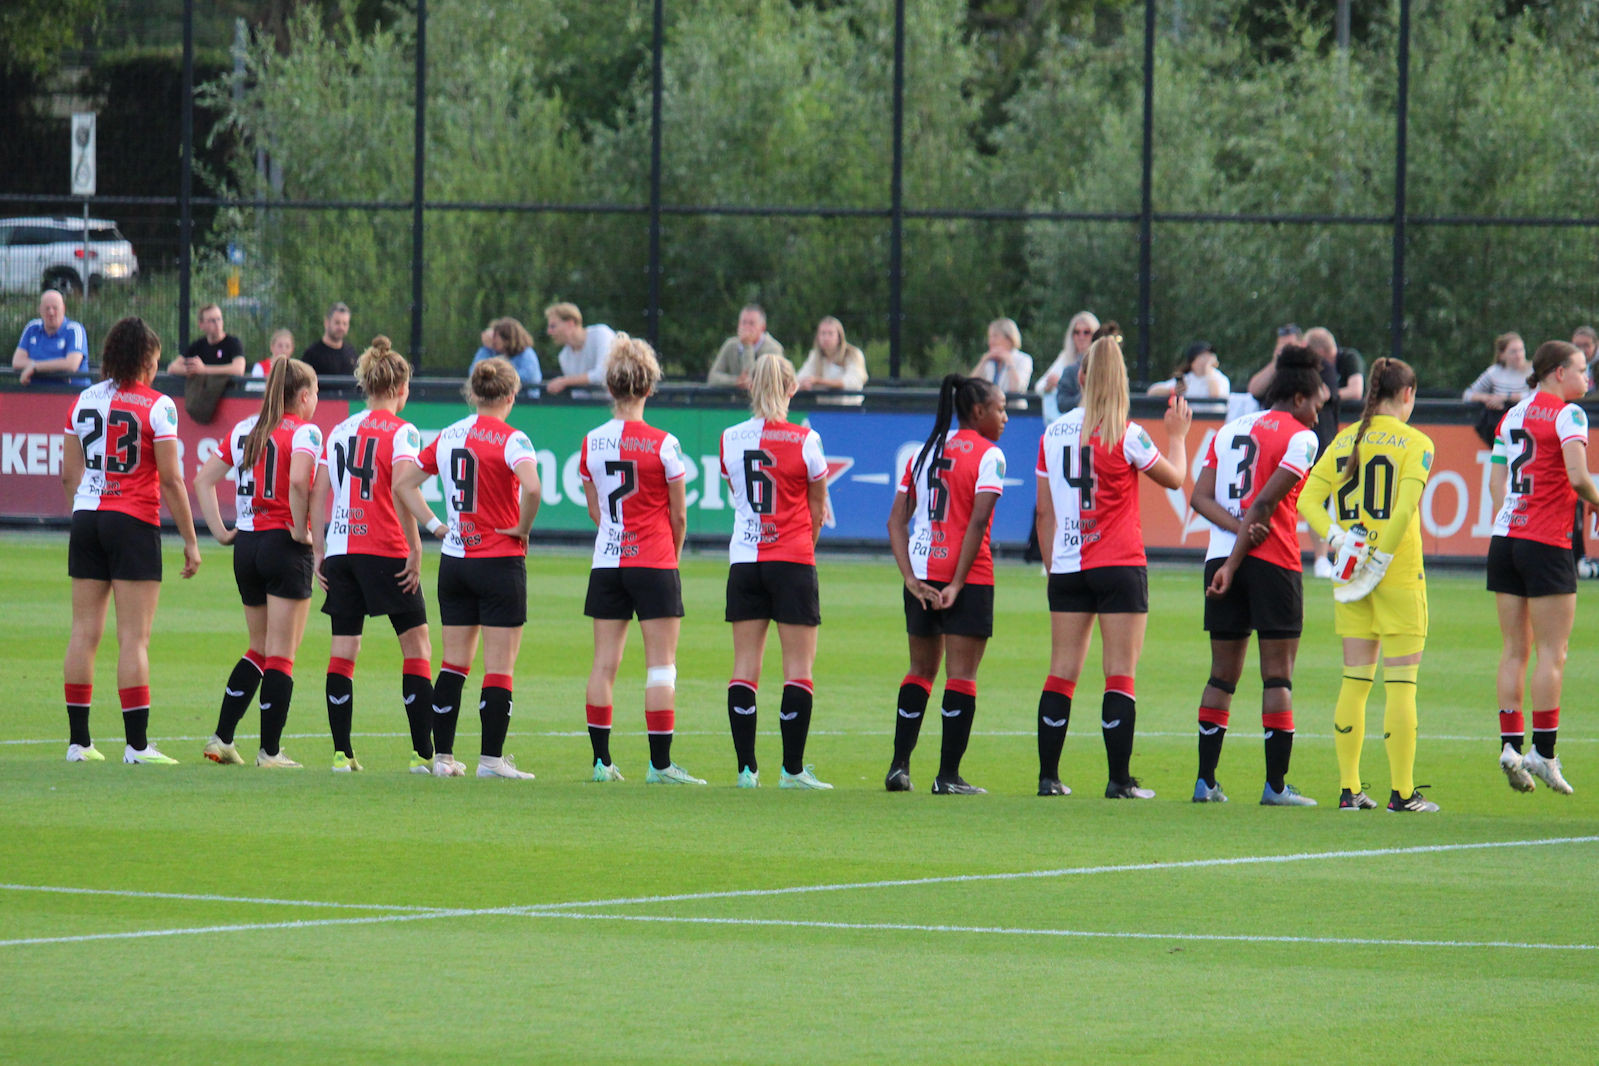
585, 350
214, 351
1501, 386
1005, 364
281, 347
333, 354
1060, 385
833, 365
738, 353
1196, 376
507, 338
53, 345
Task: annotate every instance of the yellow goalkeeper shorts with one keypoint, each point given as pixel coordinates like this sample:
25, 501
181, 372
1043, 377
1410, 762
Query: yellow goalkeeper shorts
1387, 612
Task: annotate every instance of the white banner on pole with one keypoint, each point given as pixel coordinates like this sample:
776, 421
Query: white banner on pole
83, 156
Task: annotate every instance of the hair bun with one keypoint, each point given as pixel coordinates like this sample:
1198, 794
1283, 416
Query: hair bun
382, 345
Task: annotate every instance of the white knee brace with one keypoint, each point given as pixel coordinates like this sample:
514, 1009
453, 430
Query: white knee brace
661, 677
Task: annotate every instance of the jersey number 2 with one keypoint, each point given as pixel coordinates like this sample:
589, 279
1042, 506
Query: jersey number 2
1520, 480
1377, 474
121, 451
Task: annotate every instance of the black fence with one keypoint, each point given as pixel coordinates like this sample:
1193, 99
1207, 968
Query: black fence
897, 226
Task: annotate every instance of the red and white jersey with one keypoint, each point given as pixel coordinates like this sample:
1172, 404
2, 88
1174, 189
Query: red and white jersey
476, 460
971, 463
1539, 499
1245, 453
360, 455
630, 464
769, 467
1095, 492
263, 493
118, 429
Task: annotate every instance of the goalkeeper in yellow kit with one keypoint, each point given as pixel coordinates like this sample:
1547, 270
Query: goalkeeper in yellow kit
1374, 473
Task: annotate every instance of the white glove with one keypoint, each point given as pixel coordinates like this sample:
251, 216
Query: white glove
1351, 552
1335, 536
1367, 576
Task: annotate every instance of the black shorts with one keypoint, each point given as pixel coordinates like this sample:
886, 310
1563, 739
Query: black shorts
1264, 598
786, 593
971, 615
623, 591
487, 591
1101, 590
271, 563
112, 546
1530, 569
360, 586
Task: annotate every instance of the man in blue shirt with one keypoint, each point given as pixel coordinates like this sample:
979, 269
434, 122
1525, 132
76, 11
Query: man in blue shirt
53, 345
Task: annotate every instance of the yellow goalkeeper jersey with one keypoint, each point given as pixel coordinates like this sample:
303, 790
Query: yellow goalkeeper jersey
1395, 462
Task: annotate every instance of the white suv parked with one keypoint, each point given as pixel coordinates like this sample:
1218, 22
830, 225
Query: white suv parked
48, 253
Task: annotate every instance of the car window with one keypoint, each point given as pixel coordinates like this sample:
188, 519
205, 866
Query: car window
105, 233
32, 235
5, 235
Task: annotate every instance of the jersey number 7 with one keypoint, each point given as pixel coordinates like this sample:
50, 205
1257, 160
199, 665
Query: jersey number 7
626, 473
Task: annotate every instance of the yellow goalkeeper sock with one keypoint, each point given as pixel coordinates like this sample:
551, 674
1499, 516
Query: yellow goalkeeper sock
1399, 726
1349, 722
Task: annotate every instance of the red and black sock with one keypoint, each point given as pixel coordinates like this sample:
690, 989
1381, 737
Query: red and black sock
447, 706
277, 691
136, 715
599, 722
341, 702
741, 717
494, 711
1512, 729
1279, 726
78, 699
1544, 726
416, 685
1118, 719
1212, 731
959, 708
794, 719
914, 693
1054, 713
238, 692
659, 725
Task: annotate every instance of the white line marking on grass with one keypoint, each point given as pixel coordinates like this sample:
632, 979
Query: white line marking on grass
1245, 938
210, 898
249, 927
1069, 871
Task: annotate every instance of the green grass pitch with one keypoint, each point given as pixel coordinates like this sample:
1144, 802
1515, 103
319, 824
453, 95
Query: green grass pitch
231, 914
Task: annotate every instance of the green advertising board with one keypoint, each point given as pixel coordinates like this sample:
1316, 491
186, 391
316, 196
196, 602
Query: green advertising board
557, 433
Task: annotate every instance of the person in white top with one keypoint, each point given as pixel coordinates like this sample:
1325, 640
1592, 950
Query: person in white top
1005, 364
1505, 383
1196, 376
584, 349
1079, 335
834, 364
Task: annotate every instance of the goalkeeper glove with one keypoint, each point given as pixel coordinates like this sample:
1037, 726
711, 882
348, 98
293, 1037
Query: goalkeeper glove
1368, 575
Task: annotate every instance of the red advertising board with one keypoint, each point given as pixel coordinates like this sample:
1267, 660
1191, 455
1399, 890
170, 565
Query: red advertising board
32, 435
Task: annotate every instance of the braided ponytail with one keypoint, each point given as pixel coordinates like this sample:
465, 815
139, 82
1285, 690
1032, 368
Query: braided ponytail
958, 397
1389, 377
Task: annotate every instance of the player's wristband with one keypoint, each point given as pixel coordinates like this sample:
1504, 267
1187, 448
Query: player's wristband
434, 525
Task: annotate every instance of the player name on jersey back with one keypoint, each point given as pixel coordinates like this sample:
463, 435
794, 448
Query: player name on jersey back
360, 456
1539, 500
769, 467
476, 460
630, 465
1095, 494
1245, 453
262, 493
118, 429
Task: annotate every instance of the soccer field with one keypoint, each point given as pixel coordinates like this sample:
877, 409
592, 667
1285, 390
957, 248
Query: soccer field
203, 913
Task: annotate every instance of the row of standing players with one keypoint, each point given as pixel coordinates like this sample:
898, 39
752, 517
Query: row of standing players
121, 460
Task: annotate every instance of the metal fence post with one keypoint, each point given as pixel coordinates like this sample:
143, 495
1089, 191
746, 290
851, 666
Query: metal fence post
418, 186
1146, 208
896, 194
186, 178
1401, 122
652, 314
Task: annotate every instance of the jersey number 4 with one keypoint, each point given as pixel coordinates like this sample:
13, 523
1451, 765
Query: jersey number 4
1080, 475
365, 471
120, 455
